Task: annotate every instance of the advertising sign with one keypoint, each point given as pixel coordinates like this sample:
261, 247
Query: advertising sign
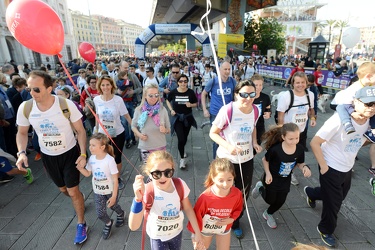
170, 29
146, 35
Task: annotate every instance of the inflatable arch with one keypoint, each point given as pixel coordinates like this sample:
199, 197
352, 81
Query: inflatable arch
171, 29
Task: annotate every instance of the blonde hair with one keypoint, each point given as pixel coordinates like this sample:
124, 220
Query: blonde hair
154, 158
104, 140
218, 165
144, 94
365, 68
257, 77
299, 74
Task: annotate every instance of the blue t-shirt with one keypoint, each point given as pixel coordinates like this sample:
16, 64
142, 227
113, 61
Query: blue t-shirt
216, 99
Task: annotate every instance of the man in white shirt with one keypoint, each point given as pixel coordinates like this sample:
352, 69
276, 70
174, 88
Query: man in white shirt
335, 151
150, 77
142, 70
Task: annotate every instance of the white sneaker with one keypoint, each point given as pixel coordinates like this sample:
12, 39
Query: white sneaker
294, 181
185, 155
183, 163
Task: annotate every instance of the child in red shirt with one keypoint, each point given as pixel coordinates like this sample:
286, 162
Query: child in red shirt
219, 205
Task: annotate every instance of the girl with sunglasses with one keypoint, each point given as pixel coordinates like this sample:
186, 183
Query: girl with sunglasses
283, 155
180, 102
102, 166
240, 138
165, 220
219, 205
151, 122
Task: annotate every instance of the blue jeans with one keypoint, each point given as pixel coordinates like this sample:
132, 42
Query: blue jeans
129, 135
214, 145
344, 112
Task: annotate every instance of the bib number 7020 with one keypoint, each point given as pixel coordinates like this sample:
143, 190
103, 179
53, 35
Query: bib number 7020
167, 228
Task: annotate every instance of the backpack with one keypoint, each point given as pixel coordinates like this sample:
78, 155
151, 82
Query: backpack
88, 102
291, 104
149, 194
229, 114
63, 106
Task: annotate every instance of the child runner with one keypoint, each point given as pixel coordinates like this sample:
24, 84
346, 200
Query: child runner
219, 205
282, 156
165, 210
104, 182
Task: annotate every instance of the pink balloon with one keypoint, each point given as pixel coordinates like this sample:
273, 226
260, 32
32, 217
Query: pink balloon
87, 51
36, 26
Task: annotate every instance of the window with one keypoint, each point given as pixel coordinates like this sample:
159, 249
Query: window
69, 52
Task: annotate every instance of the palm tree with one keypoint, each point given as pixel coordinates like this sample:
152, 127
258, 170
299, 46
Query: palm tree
320, 27
341, 24
331, 24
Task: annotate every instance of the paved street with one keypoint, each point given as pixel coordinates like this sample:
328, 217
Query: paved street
37, 216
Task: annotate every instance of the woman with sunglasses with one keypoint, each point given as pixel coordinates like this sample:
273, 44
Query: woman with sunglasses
109, 108
240, 138
163, 215
151, 122
180, 102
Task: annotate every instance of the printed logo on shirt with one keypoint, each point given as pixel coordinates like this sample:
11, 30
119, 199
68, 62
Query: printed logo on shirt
286, 168
226, 91
170, 211
354, 144
159, 198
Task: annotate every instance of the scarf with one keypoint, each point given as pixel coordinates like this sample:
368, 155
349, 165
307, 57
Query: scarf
148, 110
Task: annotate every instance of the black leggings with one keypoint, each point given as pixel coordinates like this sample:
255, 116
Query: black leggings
182, 135
273, 198
247, 172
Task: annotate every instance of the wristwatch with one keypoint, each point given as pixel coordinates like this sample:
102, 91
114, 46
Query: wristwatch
21, 152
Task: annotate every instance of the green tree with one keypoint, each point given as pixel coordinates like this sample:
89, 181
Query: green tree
341, 25
266, 33
331, 25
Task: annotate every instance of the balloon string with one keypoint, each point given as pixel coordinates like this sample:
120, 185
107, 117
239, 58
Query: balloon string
208, 10
95, 115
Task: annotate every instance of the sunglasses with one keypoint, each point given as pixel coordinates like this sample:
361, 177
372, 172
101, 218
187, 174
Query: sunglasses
147, 71
36, 90
141, 65
369, 105
246, 95
175, 72
156, 175
183, 81
153, 95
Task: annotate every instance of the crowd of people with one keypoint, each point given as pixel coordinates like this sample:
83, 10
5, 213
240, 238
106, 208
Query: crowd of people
117, 103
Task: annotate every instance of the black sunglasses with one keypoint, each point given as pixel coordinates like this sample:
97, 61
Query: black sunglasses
246, 95
369, 104
183, 81
175, 72
153, 95
167, 173
36, 90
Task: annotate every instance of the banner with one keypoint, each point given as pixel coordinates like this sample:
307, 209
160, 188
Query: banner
283, 73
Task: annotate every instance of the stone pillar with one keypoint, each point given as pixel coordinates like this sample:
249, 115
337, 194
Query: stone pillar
4, 50
190, 42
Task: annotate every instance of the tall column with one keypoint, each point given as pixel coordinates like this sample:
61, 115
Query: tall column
4, 50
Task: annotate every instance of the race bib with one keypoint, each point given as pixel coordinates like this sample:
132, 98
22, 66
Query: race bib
110, 126
166, 226
300, 118
245, 154
102, 186
210, 227
54, 142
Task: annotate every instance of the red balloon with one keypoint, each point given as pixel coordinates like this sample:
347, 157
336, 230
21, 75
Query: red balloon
87, 51
255, 47
36, 26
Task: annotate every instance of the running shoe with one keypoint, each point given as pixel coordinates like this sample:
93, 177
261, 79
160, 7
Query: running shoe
311, 203
238, 233
294, 180
256, 192
270, 220
29, 176
121, 184
81, 235
107, 231
372, 183
328, 239
37, 157
369, 136
120, 220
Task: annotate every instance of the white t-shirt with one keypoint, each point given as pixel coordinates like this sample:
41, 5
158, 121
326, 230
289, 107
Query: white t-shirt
207, 76
346, 96
109, 113
81, 82
165, 220
102, 171
298, 114
149, 81
340, 149
238, 133
55, 134
142, 73
249, 71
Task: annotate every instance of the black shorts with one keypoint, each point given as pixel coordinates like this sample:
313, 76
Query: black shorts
62, 168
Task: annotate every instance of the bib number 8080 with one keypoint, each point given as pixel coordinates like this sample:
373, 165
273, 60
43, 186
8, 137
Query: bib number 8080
167, 228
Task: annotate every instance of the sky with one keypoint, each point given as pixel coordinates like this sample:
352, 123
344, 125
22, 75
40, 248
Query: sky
359, 12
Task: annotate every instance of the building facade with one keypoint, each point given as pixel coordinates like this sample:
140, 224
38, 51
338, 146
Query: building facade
11, 49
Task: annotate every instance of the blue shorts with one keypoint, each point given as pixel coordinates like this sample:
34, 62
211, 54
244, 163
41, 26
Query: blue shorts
5, 165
